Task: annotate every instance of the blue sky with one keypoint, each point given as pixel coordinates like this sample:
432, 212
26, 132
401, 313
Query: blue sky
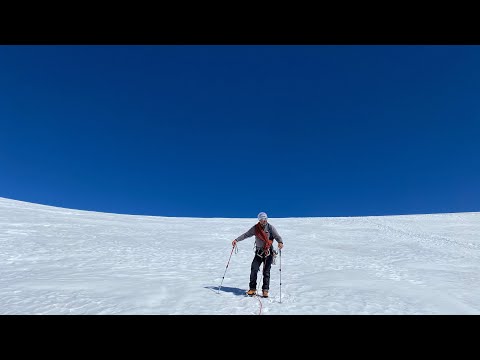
228, 131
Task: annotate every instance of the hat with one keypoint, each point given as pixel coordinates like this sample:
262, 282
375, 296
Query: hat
262, 216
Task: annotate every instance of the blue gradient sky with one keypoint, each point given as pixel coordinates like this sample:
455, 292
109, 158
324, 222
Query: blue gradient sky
228, 131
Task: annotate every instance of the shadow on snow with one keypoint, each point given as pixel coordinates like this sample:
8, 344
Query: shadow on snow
233, 290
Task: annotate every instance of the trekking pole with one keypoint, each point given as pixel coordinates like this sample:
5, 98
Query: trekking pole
280, 269
233, 247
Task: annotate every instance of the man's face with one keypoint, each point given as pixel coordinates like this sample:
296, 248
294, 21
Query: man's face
262, 221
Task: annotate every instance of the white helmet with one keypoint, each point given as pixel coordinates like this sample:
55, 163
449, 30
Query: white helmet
262, 216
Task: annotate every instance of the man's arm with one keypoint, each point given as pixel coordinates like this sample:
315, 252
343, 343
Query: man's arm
277, 236
244, 236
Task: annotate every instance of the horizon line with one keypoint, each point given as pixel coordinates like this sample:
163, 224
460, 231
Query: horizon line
253, 217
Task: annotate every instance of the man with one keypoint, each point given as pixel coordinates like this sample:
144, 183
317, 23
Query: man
264, 233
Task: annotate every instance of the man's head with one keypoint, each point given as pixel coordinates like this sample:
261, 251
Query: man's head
262, 217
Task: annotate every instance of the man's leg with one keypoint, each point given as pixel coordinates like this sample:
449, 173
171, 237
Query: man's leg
266, 272
256, 262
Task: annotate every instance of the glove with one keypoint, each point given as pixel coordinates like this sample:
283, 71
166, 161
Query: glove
234, 242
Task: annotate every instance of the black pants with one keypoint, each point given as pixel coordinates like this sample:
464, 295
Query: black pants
257, 261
